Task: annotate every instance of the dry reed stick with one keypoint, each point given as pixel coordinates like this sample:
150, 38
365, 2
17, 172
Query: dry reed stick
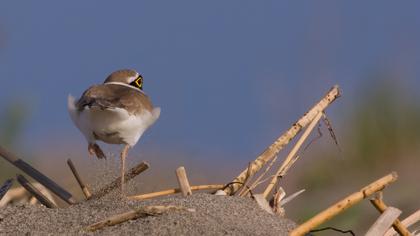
173, 191
284, 139
289, 159
245, 188
5, 187
344, 204
35, 192
184, 185
38, 176
407, 222
143, 211
397, 225
384, 222
81, 183
133, 172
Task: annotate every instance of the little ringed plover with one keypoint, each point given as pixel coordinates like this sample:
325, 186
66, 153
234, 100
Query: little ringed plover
115, 112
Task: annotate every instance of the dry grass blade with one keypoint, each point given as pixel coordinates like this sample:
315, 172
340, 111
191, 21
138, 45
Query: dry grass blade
134, 214
258, 181
81, 183
290, 159
5, 187
291, 197
344, 204
175, 190
284, 139
35, 192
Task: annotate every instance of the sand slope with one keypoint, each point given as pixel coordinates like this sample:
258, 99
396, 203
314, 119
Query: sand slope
215, 215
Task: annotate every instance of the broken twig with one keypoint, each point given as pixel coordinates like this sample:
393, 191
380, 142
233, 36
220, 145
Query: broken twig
173, 191
133, 172
344, 204
143, 211
38, 176
283, 140
35, 192
184, 185
82, 185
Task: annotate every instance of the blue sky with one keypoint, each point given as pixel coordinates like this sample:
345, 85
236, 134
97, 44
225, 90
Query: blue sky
228, 75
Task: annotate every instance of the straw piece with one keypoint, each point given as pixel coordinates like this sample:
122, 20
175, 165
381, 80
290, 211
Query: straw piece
143, 211
184, 185
173, 191
81, 183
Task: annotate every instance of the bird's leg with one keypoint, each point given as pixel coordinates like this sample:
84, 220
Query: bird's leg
124, 153
94, 149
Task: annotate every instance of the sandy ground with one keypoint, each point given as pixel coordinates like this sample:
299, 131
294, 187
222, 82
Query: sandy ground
214, 215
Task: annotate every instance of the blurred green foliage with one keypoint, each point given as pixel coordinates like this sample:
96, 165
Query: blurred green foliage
12, 119
384, 123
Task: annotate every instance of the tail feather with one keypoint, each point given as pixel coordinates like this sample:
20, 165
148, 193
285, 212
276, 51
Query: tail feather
156, 112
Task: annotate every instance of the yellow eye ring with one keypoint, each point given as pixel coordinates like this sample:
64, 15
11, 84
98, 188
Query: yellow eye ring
138, 82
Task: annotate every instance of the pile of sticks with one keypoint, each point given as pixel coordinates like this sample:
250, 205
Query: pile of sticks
243, 185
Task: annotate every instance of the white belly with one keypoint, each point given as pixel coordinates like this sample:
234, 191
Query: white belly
115, 126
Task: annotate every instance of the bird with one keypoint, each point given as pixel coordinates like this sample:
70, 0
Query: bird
117, 111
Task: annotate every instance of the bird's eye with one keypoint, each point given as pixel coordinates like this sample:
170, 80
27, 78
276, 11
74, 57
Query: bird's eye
138, 82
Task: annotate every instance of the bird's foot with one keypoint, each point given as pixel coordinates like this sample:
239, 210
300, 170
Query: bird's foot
94, 149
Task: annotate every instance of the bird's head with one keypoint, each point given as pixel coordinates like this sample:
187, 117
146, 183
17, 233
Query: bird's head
126, 76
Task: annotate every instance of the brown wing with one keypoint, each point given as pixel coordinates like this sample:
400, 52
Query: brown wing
107, 96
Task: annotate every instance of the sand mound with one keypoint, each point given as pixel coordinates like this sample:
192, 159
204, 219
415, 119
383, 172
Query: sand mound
214, 215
